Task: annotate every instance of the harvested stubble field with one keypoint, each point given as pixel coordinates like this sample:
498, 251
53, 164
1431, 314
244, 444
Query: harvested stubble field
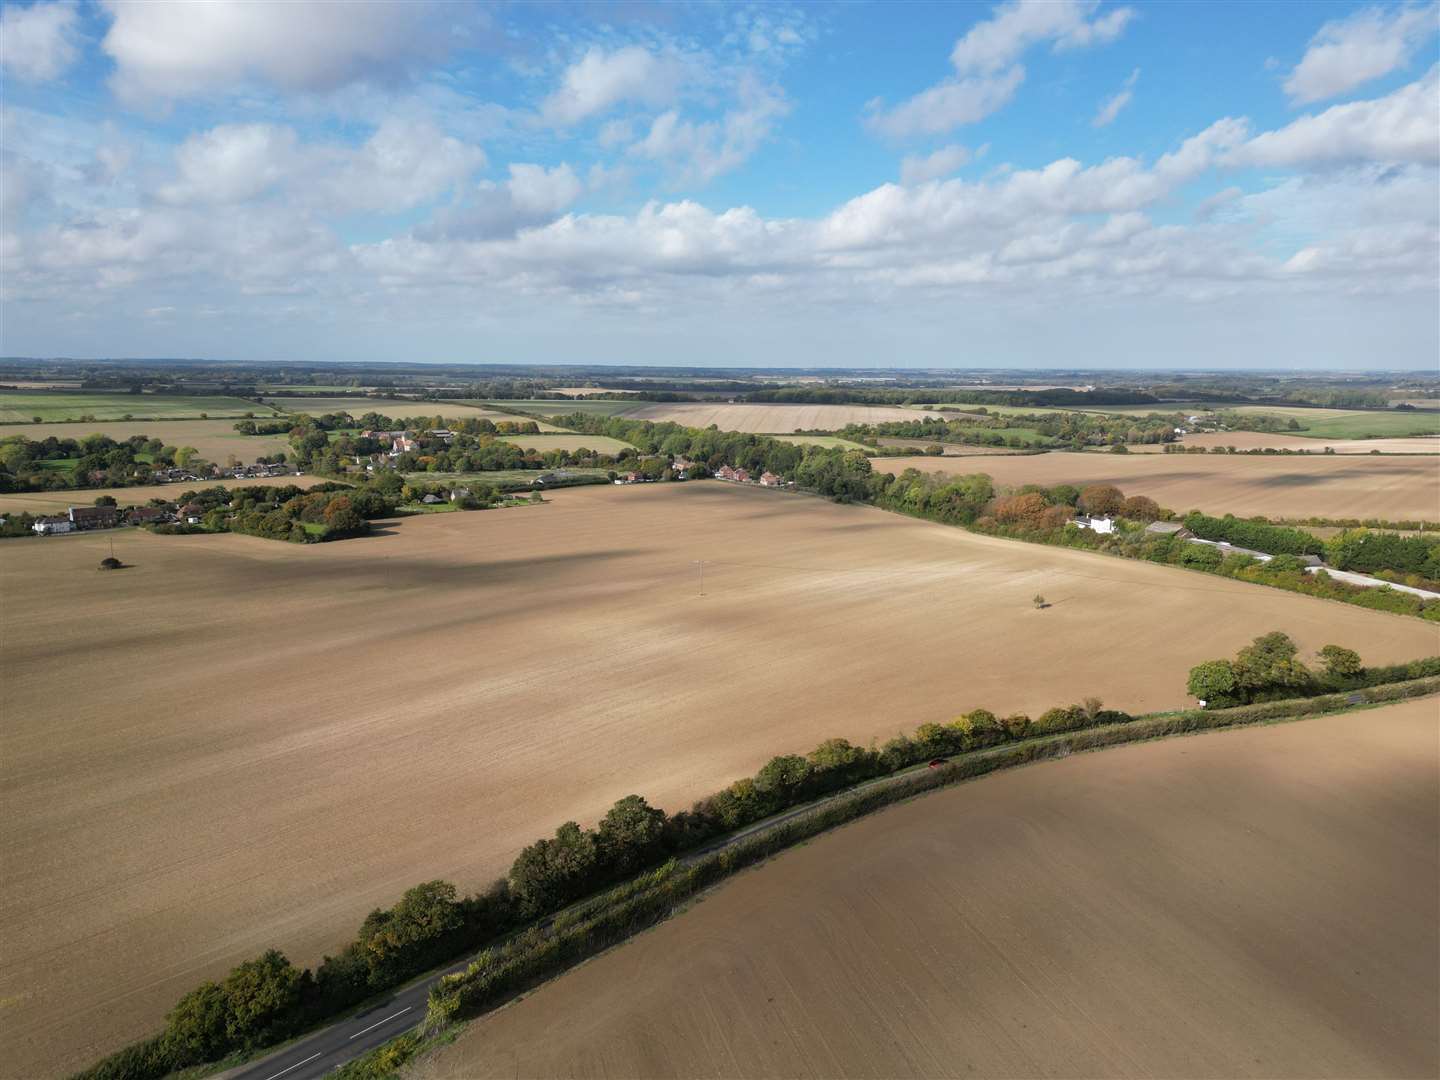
50, 502
237, 743
215, 440
21, 407
1250, 903
398, 408
601, 444
758, 418
1323, 485
1260, 440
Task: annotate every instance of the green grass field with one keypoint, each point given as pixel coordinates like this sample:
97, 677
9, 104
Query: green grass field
1352, 423
18, 407
500, 478
601, 444
820, 440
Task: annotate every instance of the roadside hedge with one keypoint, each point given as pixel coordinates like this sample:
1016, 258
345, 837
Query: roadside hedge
267, 1000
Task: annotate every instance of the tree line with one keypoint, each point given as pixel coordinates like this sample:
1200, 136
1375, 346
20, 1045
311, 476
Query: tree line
268, 999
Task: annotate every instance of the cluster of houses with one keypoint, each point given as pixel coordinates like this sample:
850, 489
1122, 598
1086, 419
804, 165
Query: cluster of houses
180, 475
83, 518
742, 476
400, 442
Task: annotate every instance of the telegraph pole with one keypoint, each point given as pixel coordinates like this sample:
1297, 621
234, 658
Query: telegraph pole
701, 564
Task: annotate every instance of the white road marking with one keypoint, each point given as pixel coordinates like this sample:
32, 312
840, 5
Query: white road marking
297, 1064
377, 1023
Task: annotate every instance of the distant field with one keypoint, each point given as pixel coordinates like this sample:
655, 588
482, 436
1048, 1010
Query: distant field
496, 477
267, 388
50, 502
238, 743
758, 418
1352, 424
1397, 488
821, 440
575, 390
214, 440
599, 443
950, 449
398, 408
564, 408
1205, 906
1246, 440
20, 407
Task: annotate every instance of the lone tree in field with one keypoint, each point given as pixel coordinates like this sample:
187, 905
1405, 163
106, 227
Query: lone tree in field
1039, 601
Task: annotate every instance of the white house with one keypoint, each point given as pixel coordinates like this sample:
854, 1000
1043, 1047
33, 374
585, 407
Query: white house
45, 526
1096, 524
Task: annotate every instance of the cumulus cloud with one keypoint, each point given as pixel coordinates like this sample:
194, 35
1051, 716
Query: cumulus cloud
1110, 108
943, 162
1347, 52
39, 42
168, 51
699, 151
600, 80
1403, 126
402, 164
986, 62
533, 195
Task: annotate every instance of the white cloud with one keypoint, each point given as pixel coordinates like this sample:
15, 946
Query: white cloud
1347, 52
404, 162
987, 71
1402, 126
1110, 108
599, 80
39, 42
168, 51
538, 190
943, 162
699, 151
1014, 27
946, 106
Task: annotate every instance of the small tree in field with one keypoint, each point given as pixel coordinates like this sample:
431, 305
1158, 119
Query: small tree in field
1039, 601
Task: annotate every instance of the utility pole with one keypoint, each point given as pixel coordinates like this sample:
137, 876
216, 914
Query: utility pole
701, 564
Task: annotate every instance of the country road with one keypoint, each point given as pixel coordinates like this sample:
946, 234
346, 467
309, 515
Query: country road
316, 1054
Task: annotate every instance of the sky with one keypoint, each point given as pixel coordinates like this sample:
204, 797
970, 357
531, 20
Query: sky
1071, 183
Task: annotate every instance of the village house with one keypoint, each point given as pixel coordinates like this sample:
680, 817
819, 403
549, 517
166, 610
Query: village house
769, 479
725, 472
1102, 525
192, 513
45, 526
147, 515
742, 476
94, 517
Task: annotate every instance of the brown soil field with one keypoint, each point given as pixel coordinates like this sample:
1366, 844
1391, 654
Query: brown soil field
1252, 903
764, 417
1262, 440
238, 743
215, 440
50, 502
1394, 488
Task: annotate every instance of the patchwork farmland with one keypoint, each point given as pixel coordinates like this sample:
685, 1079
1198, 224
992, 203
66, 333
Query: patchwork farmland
283, 791
1366, 486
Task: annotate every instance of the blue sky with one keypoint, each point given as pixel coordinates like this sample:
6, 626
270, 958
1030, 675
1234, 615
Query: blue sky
1029, 184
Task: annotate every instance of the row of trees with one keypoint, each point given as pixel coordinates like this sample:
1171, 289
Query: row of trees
1250, 533
53, 464
1270, 669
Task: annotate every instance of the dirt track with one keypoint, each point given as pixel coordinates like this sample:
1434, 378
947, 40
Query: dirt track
1254, 903
240, 743
1337, 486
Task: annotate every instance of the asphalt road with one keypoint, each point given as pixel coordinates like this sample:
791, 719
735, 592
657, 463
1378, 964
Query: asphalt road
316, 1054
